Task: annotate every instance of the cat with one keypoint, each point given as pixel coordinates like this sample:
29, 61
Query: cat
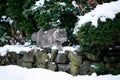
50, 38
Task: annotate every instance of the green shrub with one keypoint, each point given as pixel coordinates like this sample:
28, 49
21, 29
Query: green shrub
99, 68
3, 33
95, 40
53, 14
102, 69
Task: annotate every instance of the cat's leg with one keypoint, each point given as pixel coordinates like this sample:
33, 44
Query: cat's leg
39, 44
59, 46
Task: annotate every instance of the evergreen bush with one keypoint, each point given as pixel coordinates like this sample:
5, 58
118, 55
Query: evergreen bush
96, 40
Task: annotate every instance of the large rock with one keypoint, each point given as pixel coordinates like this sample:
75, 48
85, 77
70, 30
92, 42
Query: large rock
2, 60
64, 67
54, 55
92, 57
61, 58
22, 63
52, 66
74, 70
41, 66
41, 58
12, 57
84, 68
75, 63
28, 56
26, 60
75, 59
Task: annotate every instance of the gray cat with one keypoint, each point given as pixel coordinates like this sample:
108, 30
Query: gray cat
50, 38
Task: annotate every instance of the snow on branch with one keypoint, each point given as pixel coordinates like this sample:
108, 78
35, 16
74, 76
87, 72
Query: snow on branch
102, 12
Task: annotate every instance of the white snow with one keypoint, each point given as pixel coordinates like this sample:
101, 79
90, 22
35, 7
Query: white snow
62, 3
54, 47
75, 4
7, 19
13, 48
13, 72
27, 47
38, 3
71, 48
3, 17
67, 48
102, 12
93, 66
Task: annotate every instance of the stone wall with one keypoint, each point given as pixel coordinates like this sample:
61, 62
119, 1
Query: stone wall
68, 62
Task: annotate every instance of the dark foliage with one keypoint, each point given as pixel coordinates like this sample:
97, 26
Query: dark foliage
106, 35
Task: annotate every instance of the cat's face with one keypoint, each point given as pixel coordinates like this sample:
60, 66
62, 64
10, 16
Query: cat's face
62, 35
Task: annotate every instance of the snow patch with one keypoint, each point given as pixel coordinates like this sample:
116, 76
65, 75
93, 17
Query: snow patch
14, 72
75, 4
62, 3
39, 3
69, 48
13, 48
27, 47
7, 19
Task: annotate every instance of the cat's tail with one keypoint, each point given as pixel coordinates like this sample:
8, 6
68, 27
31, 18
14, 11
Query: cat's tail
41, 30
34, 36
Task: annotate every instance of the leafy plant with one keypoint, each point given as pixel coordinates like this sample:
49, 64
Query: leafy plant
4, 38
95, 40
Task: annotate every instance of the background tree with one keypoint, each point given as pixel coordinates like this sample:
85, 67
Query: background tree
54, 13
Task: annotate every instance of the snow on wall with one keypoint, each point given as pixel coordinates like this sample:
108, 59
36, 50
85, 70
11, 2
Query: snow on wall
18, 48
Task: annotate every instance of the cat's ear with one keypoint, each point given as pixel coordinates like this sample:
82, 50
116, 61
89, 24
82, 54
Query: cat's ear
57, 30
65, 29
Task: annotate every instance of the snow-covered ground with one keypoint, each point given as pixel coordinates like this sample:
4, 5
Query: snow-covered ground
13, 72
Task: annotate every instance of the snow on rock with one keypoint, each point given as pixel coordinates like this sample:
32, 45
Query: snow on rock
27, 47
102, 12
69, 48
13, 48
13, 72
75, 48
54, 47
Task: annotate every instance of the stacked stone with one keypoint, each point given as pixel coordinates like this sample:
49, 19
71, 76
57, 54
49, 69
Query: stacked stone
112, 55
26, 60
9, 58
68, 61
